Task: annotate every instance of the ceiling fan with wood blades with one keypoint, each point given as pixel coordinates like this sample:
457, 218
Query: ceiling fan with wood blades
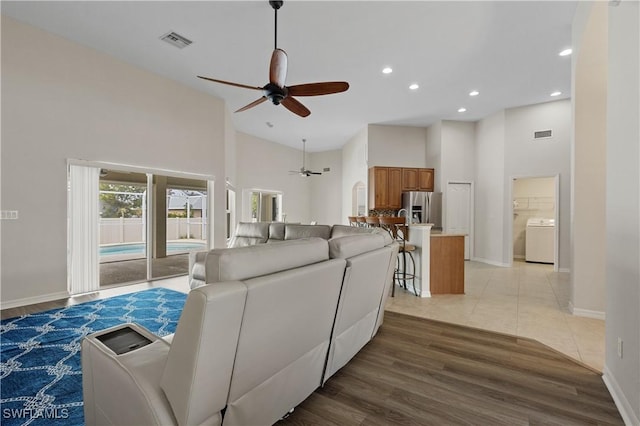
275, 90
303, 170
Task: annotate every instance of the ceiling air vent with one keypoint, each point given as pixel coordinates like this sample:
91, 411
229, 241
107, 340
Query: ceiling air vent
542, 134
176, 40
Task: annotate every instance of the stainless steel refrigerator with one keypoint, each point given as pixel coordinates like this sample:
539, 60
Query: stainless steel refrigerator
424, 207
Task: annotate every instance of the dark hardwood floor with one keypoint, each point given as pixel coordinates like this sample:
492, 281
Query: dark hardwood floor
423, 372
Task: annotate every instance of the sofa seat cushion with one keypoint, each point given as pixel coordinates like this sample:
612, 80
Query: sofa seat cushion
353, 245
241, 263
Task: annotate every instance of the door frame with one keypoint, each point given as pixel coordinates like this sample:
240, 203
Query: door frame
556, 201
472, 219
149, 220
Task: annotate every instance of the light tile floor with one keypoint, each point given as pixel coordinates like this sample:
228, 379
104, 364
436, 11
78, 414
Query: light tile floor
528, 300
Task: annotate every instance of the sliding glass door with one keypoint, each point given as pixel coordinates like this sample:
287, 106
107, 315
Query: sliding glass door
181, 210
123, 227
129, 226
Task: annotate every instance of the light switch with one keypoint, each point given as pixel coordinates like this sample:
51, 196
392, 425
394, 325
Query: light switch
8, 214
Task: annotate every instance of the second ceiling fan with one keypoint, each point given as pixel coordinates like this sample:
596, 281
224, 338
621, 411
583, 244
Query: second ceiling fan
276, 91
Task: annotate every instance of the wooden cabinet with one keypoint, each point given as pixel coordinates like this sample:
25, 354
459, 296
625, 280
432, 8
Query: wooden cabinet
386, 185
414, 179
385, 188
447, 264
425, 180
409, 179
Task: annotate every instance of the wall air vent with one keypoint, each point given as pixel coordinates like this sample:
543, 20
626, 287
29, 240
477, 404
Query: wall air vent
542, 134
176, 40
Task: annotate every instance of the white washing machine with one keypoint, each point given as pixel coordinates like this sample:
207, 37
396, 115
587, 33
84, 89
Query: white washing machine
539, 240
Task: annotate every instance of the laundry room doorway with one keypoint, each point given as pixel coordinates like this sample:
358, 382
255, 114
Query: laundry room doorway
535, 219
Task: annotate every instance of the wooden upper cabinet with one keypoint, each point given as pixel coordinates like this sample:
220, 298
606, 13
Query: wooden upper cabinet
395, 187
385, 187
425, 180
409, 179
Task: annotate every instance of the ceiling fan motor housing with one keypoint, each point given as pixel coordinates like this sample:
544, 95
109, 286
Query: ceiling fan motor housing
275, 93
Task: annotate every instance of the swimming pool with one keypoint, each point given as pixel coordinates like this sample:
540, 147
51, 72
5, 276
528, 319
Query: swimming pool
173, 247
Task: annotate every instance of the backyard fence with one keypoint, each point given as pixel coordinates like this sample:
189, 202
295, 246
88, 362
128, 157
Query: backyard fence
132, 229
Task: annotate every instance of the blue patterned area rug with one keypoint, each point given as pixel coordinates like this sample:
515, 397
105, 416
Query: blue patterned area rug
40, 374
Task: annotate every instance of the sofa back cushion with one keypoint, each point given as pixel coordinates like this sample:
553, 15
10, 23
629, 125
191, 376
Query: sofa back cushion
353, 245
249, 233
276, 231
284, 341
197, 374
343, 230
241, 263
293, 232
370, 266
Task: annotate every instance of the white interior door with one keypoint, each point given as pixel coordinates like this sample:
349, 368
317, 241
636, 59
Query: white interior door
459, 213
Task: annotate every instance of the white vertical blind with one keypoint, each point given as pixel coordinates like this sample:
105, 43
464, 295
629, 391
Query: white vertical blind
84, 230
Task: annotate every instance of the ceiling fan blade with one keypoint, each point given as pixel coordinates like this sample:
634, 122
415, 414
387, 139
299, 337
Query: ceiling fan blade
278, 67
316, 89
295, 107
230, 83
252, 104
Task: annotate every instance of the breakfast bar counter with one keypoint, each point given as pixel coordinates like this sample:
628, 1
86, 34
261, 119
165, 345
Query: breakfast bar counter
439, 261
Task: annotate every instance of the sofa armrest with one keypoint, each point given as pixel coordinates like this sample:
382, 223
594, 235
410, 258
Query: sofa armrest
124, 389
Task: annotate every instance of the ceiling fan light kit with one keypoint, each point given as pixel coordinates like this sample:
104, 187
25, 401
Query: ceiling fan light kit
276, 91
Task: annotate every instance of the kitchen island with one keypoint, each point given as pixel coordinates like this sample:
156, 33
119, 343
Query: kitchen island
439, 261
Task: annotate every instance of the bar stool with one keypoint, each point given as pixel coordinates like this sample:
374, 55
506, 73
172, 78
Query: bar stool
353, 221
372, 221
362, 221
397, 227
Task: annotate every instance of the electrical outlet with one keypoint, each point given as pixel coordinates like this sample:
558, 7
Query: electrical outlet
619, 347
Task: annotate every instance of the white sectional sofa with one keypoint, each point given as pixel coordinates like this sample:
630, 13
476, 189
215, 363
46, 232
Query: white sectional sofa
262, 328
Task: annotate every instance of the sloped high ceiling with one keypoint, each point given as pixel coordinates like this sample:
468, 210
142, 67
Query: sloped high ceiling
508, 51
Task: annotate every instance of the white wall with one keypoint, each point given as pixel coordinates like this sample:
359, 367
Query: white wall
589, 62
265, 165
525, 157
354, 170
622, 375
433, 153
61, 100
326, 198
399, 146
489, 190
458, 151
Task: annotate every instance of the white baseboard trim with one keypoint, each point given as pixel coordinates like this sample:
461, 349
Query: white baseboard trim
425, 293
622, 403
564, 270
518, 256
32, 300
587, 313
490, 262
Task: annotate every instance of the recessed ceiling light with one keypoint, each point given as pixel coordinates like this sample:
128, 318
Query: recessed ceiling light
462, 109
414, 86
556, 93
387, 70
566, 52
474, 93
